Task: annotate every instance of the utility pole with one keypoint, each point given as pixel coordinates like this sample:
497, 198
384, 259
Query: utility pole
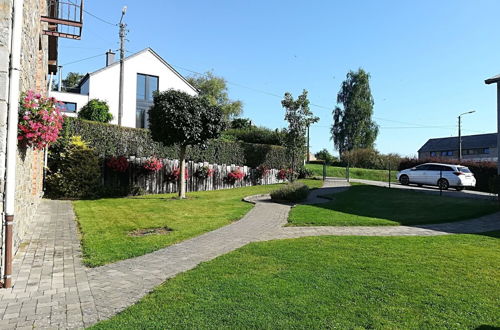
122, 34
59, 86
460, 133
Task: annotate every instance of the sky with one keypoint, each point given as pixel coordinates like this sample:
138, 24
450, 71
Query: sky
427, 59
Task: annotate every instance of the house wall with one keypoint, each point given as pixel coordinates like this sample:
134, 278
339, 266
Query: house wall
34, 63
104, 85
491, 157
79, 99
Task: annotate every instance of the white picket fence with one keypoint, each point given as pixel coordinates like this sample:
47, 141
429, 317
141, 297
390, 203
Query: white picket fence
158, 183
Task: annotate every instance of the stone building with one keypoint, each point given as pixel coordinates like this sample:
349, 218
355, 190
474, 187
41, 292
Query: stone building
40, 33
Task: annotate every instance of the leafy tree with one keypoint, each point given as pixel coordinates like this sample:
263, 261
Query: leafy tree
70, 82
179, 118
96, 110
241, 123
214, 89
299, 117
324, 155
353, 126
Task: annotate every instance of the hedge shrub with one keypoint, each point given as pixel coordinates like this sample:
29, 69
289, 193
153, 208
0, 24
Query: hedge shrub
112, 140
484, 172
292, 192
261, 135
74, 170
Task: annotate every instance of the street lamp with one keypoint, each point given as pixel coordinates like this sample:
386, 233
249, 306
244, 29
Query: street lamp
460, 133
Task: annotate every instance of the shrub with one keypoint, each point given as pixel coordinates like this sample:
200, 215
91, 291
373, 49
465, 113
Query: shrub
370, 158
261, 135
304, 173
291, 192
96, 110
262, 171
39, 120
74, 172
484, 172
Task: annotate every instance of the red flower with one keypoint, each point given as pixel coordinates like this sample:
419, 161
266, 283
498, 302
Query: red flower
117, 164
153, 164
235, 175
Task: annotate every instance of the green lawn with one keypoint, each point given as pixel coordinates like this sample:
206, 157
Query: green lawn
106, 223
333, 282
355, 173
364, 205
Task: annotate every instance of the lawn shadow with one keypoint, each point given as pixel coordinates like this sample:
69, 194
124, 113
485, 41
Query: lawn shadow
401, 206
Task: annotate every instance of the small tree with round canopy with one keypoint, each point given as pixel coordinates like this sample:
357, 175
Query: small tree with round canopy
179, 118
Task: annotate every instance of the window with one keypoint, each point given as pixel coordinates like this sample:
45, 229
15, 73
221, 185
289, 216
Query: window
422, 168
146, 86
433, 154
486, 151
69, 107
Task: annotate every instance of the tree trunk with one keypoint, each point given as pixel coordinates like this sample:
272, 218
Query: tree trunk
182, 172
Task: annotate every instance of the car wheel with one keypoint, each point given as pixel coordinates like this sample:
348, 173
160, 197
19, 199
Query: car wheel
404, 180
443, 184
459, 188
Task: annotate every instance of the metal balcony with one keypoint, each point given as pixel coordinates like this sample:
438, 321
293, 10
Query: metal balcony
64, 18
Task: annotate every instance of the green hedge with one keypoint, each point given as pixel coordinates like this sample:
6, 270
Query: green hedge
112, 140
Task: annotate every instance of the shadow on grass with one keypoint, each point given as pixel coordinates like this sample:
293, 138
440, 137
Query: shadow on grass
400, 206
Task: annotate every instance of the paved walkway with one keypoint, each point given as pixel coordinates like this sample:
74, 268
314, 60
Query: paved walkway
53, 289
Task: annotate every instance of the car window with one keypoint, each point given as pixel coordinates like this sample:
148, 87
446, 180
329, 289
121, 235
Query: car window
422, 168
464, 169
435, 168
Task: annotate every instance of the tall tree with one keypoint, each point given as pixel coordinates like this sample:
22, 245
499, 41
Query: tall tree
353, 126
214, 89
179, 118
299, 117
71, 81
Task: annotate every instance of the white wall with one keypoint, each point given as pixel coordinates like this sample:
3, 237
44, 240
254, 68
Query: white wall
104, 85
79, 99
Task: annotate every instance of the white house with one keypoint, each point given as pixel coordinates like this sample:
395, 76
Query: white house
144, 73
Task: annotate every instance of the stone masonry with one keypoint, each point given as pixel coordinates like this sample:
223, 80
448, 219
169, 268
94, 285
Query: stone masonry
34, 65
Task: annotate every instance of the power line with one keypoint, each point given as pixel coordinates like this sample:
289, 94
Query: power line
83, 59
100, 19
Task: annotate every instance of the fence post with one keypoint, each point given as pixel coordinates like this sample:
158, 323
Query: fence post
389, 174
347, 171
324, 170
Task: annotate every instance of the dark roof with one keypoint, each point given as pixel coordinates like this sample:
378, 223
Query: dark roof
493, 80
468, 142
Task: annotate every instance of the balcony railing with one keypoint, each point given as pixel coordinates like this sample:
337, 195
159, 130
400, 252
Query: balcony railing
64, 18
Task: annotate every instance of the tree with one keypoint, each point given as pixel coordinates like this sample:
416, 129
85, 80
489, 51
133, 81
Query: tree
324, 155
214, 89
299, 117
353, 126
70, 82
96, 110
179, 118
241, 123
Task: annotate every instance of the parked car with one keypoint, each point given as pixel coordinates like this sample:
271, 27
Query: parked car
441, 175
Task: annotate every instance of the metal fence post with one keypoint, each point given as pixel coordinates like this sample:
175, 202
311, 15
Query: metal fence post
440, 187
324, 170
389, 174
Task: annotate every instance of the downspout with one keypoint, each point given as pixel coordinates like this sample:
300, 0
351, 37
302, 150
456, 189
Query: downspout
13, 109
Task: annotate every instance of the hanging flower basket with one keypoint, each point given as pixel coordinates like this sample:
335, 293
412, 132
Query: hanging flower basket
118, 164
40, 120
174, 175
235, 175
203, 172
282, 174
153, 165
262, 171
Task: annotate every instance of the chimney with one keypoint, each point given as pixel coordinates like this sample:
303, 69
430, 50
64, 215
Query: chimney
110, 57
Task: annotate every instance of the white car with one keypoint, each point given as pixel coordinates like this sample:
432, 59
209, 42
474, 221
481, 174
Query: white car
441, 175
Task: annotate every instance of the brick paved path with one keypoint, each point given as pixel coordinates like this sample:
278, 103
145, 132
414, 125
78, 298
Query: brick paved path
53, 289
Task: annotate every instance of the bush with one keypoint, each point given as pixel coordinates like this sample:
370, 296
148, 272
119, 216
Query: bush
484, 172
304, 173
111, 140
74, 170
291, 192
325, 155
261, 135
371, 159
96, 110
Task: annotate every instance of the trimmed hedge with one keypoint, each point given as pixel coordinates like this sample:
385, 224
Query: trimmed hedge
292, 192
484, 172
112, 140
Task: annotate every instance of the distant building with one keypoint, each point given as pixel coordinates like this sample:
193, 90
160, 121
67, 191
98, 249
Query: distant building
145, 72
480, 147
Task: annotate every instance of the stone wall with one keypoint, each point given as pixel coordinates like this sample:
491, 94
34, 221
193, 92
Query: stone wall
34, 64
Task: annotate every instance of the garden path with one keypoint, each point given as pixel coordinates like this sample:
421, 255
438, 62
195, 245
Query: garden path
52, 288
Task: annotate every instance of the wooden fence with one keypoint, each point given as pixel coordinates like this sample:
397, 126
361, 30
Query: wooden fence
161, 182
